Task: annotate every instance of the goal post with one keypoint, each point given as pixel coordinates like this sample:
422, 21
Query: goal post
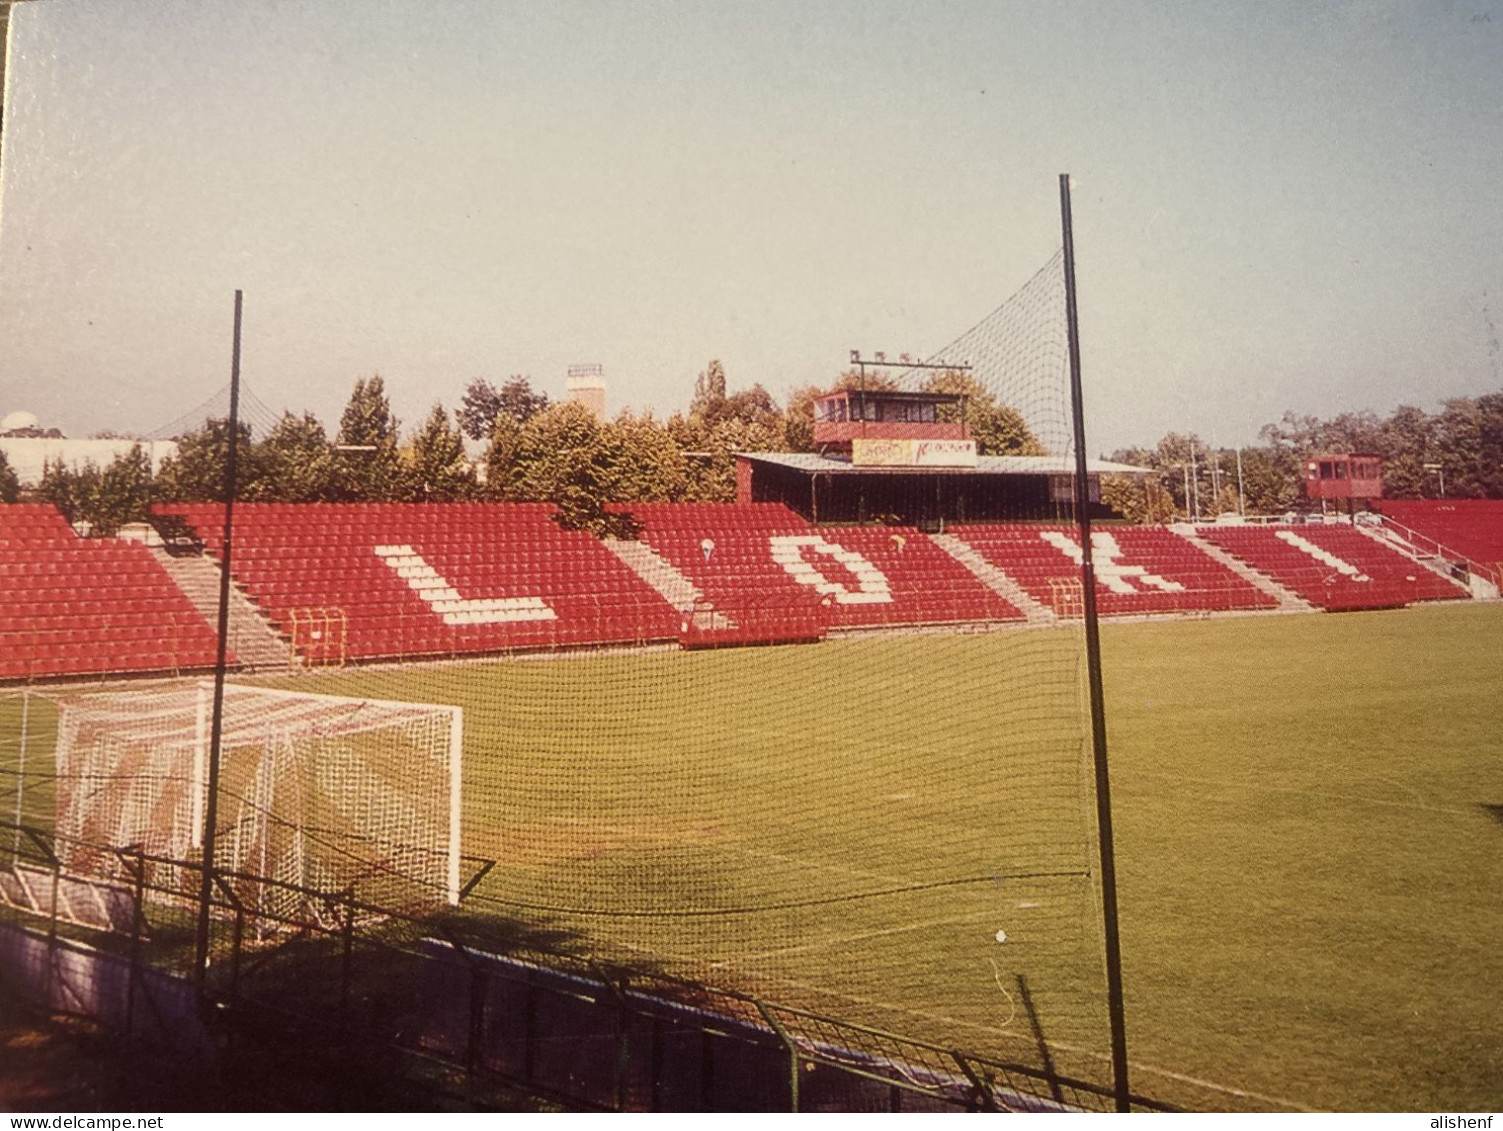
323, 793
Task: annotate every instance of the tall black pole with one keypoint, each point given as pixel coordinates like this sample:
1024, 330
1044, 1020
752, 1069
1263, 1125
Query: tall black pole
1093, 666
206, 886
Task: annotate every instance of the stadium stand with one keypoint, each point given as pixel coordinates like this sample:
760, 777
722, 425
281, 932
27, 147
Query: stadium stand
1139, 569
74, 606
1472, 528
411, 579
749, 556
1333, 566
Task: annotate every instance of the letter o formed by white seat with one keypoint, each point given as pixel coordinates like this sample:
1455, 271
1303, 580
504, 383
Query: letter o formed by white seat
872, 586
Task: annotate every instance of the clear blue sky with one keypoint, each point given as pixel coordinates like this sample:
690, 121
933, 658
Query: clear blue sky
1278, 204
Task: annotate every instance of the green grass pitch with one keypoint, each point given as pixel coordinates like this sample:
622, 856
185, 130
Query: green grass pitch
1308, 833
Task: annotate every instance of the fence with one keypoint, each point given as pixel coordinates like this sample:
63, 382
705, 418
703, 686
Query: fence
490, 1000
1423, 545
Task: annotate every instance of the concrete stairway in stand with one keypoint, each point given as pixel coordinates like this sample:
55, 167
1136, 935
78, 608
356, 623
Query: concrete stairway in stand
252, 639
665, 577
994, 579
1435, 563
1289, 601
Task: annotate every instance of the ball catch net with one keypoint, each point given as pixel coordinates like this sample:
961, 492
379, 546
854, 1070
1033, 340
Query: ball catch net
317, 794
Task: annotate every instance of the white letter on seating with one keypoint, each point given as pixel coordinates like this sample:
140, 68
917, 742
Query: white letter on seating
1112, 573
1322, 555
425, 581
872, 587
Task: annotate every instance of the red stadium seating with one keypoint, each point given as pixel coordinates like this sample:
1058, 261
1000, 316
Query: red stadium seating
1472, 528
416, 579
75, 606
744, 556
1335, 566
1139, 569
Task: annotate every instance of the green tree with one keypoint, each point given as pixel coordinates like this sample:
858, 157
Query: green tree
483, 405
1294, 433
518, 400
478, 408
1352, 432
1408, 443
1181, 461
710, 451
1137, 498
798, 419
643, 462
196, 473
502, 456
368, 467
874, 380
437, 468
121, 493
709, 394
1467, 439
297, 462
105, 500
1270, 481
66, 489
1185, 476
754, 406
998, 430
559, 456
10, 483
1489, 457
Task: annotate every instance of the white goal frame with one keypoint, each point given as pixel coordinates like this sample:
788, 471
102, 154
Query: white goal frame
132, 772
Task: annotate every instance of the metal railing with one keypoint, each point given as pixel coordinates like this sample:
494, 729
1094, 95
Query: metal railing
1424, 544
490, 1000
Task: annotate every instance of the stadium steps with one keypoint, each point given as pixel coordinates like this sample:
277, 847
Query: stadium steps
994, 579
252, 639
664, 577
1289, 601
1434, 563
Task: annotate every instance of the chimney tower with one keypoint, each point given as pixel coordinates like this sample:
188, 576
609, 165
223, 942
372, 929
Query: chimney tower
585, 384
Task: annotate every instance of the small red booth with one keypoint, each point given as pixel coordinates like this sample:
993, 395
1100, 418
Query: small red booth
1350, 475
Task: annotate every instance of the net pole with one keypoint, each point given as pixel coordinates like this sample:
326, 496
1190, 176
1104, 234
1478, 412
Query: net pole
216, 726
1093, 665
21, 766
200, 765
456, 800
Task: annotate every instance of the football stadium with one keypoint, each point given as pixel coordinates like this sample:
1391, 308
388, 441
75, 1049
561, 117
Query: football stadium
787, 801
654, 691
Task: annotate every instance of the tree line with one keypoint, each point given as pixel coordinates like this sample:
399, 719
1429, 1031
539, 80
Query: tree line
1457, 452
538, 450
535, 450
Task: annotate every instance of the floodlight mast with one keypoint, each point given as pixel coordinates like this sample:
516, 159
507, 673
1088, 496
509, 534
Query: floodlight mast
1114, 997
905, 361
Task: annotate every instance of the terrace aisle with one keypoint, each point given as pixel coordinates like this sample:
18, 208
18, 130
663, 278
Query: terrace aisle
1289, 601
994, 579
656, 571
251, 638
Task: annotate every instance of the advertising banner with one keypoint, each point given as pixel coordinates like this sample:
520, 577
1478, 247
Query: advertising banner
913, 453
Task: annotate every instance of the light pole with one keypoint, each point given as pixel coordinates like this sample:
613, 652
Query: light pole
1194, 501
1440, 470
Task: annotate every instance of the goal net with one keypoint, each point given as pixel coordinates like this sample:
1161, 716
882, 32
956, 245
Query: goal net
317, 794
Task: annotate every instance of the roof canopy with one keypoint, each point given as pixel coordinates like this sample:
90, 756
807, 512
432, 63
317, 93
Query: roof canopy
985, 465
894, 395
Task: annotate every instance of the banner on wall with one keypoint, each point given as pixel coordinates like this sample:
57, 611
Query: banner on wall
913, 453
